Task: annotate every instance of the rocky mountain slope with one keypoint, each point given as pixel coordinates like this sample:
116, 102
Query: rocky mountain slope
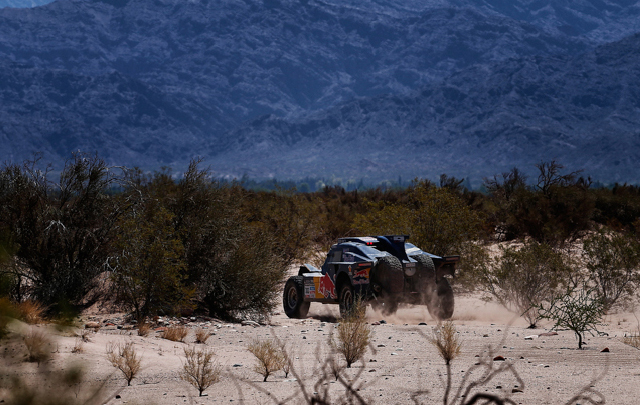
583, 111
155, 82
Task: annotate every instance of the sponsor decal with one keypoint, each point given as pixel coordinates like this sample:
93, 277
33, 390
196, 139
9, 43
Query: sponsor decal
361, 276
327, 288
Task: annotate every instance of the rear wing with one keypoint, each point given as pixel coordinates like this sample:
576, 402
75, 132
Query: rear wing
445, 265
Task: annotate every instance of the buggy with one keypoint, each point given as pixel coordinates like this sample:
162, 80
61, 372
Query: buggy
383, 271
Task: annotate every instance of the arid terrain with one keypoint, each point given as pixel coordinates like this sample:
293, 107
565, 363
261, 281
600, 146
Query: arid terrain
399, 365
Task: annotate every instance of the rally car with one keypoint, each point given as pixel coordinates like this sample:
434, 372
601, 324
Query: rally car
383, 271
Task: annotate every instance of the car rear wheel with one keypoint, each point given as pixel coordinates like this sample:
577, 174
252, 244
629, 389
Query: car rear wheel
293, 298
440, 302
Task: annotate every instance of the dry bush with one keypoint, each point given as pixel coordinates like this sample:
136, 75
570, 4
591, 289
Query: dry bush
202, 335
198, 370
31, 312
37, 343
354, 334
632, 340
144, 329
124, 358
176, 333
446, 340
79, 346
270, 357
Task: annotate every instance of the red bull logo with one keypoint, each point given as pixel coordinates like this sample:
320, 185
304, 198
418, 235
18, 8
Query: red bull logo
361, 276
327, 288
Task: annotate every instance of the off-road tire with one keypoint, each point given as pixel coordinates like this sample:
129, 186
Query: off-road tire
427, 266
293, 298
389, 275
440, 301
346, 298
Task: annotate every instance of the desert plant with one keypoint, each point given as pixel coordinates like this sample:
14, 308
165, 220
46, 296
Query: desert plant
124, 358
143, 329
83, 335
198, 369
202, 335
613, 263
176, 333
31, 312
446, 340
522, 279
78, 347
353, 334
37, 343
269, 355
578, 309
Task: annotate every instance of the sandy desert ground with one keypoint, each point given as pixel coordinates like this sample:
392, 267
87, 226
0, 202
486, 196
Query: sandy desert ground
399, 366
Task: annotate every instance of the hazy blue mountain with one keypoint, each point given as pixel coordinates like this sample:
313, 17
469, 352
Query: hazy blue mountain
583, 111
237, 60
23, 3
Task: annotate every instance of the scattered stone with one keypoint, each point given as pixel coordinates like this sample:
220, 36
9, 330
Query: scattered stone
375, 323
373, 361
530, 337
549, 334
422, 324
118, 397
250, 323
485, 335
304, 337
498, 358
516, 390
382, 321
373, 370
394, 354
382, 345
237, 365
605, 350
498, 387
91, 325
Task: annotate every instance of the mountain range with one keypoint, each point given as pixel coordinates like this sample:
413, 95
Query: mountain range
354, 88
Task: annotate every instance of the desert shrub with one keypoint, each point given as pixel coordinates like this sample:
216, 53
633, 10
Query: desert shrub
557, 209
202, 335
61, 229
176, 333
269, 355
148, 270
522, 279
31, 311
78, 347
578, 309
353, 334
7, 312
37, 343
124, 358
143, 329
198, 369
613, 263
446, 340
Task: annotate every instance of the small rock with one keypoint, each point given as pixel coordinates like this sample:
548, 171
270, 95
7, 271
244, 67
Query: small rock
373, 361
498, 358
605, 350
237, 365
549, 334
530, 337
516, 390
118, 397
373, 370
375, 323
498, 387
382, 345
382, 321
394, 354
485, 335
91, 325
304, 337
422, 324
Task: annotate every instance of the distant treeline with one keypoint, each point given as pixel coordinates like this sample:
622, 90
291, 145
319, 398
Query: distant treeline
163, 245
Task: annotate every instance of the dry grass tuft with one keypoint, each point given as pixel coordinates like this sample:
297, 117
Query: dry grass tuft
37, 343
270, 357
32, 312
125, 359
176, 333
79, 346
83, 334
144, 329
198, 370
202, 335
354, 335
446, 340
